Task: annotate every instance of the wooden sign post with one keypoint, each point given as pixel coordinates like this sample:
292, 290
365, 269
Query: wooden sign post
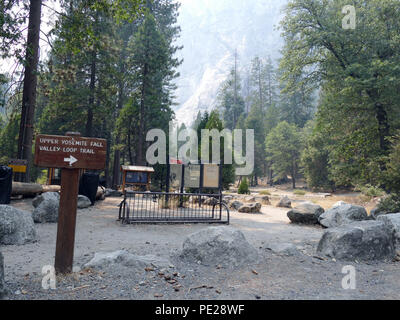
71, 153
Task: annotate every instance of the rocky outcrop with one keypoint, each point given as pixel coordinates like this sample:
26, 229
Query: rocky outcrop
211, 201
286, 249
48, 196
394, 221
250, 208
83, 202
249, 199
263, 200
305, 213
16, 226
103, 260
235, 205
2, 285
46, 207
361, 241
224, 246
113, 193
284, 202
342, 215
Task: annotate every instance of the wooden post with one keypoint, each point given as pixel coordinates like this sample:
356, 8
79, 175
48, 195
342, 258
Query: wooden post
67, 219
123, 181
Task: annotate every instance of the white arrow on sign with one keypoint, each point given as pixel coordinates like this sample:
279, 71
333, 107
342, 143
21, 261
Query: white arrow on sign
71, 160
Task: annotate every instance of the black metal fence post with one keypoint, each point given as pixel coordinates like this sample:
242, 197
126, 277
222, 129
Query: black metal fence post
201, 181
167, 181
182, 189
220, 189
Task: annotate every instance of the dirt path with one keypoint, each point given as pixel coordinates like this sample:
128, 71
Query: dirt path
277, 276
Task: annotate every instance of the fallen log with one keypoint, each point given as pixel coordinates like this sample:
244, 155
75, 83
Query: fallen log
52, 188
26, 189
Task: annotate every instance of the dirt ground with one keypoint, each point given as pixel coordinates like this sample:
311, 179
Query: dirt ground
302, 275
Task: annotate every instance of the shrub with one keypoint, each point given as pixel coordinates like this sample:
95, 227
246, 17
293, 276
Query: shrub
265, 193
244, 187
371, 191
299, 192
390, 204
393, 172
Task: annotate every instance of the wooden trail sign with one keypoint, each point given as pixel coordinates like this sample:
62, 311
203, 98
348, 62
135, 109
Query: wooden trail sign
71, 153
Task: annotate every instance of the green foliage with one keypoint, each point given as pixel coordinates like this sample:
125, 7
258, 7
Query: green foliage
13, 14
230, 102
42, 177
390, 204
298, 192
283, 147
315, 159
9, 138
370, 191
393, 170
244, 187
357, 71
255, 121
228, 170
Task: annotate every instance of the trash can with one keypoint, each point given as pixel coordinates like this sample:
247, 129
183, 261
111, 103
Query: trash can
88, 185
6, 174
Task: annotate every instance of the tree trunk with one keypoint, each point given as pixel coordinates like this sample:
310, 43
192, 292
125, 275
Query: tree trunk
384, 127
29, 91
116, 165
120, 104
382, 119
130, 147
26, 189
142, 118
89, 120
107, 169
294, 178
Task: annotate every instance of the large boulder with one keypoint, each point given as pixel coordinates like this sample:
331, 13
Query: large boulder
342, 215
235, 205
286, 249
2, 286
46, 208
249, 199
223, 245
211, 201
250, 208
227, 198
16, 226
264, 200
284, 202
113, 193
361, 241
83, 202
377, 212
338, 204
48, 196
394, 221
103, 260
305, 213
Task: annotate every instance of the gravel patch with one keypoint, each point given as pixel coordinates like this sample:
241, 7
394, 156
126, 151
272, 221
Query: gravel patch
276, 275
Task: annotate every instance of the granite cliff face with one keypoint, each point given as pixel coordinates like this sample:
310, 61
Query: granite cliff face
211, 32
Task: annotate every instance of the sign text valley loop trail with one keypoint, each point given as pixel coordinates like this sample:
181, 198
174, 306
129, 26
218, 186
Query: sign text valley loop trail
70, 153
